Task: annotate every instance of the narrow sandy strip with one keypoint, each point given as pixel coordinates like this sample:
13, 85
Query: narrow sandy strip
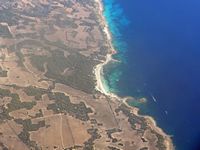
98, 71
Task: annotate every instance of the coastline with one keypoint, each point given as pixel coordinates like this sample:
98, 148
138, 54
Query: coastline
98, 71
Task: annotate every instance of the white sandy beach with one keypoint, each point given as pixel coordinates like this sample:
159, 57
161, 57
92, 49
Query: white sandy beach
98, 71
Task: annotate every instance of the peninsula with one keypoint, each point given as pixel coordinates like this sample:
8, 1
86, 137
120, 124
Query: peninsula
52, 54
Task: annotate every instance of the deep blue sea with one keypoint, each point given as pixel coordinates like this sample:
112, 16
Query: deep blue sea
158, 44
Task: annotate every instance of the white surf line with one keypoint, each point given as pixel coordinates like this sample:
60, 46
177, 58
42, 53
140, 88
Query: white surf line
99, 75
100, 87
98, 70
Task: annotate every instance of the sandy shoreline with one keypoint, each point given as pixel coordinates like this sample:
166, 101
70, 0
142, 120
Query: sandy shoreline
98, 71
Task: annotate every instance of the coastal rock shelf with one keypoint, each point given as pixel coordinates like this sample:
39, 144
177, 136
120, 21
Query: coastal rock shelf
48, 84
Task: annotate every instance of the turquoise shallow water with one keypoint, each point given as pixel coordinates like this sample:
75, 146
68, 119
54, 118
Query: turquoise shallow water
158, 46
116, 20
